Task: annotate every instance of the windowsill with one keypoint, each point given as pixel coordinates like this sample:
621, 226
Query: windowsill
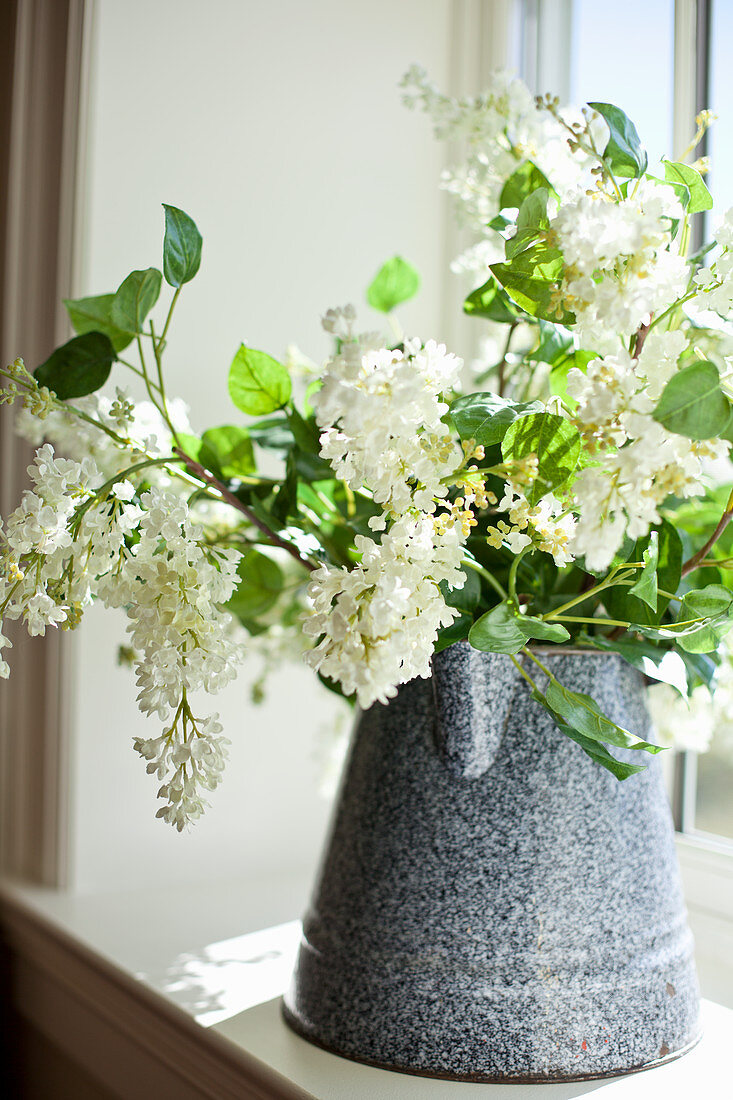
184, 983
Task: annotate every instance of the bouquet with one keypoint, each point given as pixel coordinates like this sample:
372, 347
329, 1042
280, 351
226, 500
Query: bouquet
565, 490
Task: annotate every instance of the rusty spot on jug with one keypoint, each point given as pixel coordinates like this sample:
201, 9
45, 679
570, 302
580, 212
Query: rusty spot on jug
663, 1050
671, 989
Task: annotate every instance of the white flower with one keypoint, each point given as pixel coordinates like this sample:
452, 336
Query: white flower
381, 421
621, 265
40, 612
683, 724
378, 622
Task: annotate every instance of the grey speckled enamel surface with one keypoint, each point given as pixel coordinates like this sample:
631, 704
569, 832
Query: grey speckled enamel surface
491, 903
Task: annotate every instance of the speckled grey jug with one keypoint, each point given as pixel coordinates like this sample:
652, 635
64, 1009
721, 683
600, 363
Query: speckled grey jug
493, 906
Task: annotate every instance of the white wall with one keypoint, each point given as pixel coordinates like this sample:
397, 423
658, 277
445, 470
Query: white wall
278, 127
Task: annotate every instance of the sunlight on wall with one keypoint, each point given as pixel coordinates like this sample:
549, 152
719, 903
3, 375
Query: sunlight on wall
279, 128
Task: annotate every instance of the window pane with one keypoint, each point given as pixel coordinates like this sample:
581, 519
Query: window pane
623, 53
714, 804
720, 136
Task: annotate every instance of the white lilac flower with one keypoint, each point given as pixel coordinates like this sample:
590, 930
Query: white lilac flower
547, 525
503, 127
683, 724
190, 756
378, 622
381, 423
621, 264
622, 496
605, 390
141, 424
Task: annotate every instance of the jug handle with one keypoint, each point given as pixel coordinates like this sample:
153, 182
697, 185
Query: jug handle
473, 693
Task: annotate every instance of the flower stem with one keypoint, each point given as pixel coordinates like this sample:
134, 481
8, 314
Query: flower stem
273, 538
487, 576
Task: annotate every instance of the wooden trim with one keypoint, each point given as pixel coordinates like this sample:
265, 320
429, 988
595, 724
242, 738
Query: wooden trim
42, 117
118, 1030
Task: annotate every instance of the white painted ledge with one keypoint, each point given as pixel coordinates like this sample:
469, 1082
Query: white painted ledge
177, 993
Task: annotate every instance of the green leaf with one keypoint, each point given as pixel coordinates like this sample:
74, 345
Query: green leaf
227, 451
466, 598
526, 179
701, 667
134, 299
541, 631
273, 433
583, 715
700, 197
624, 152
79, 367
532, 222
598, 753
692, 403
619, 601
555, 344
305, 432
713, 604
258, 384
396, 281
454, 632
555, 442
646, 586
505, 630
181, 247
286, 499
94, 315
260, 583
486, 417
532, 279
492, 303
665, 665
497, 631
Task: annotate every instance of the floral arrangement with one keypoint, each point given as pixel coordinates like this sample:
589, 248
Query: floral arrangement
566, 490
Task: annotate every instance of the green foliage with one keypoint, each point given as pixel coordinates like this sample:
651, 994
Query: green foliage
664, 665
95, 315
526, 179
714, 606
258, 384
181, 247
646, 586
260, 584
626, 603
699, 196
505, 630
457, 631
466, 598
396, 281
692, 403
597, 751
532, 279
583, 715
486, 417
623, 153
533, 221
555, 442
227, 451
79, 367
492, 303
135, 297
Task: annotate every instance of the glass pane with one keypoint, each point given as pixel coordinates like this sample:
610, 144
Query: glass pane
610, 64
714, 804
720, 136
